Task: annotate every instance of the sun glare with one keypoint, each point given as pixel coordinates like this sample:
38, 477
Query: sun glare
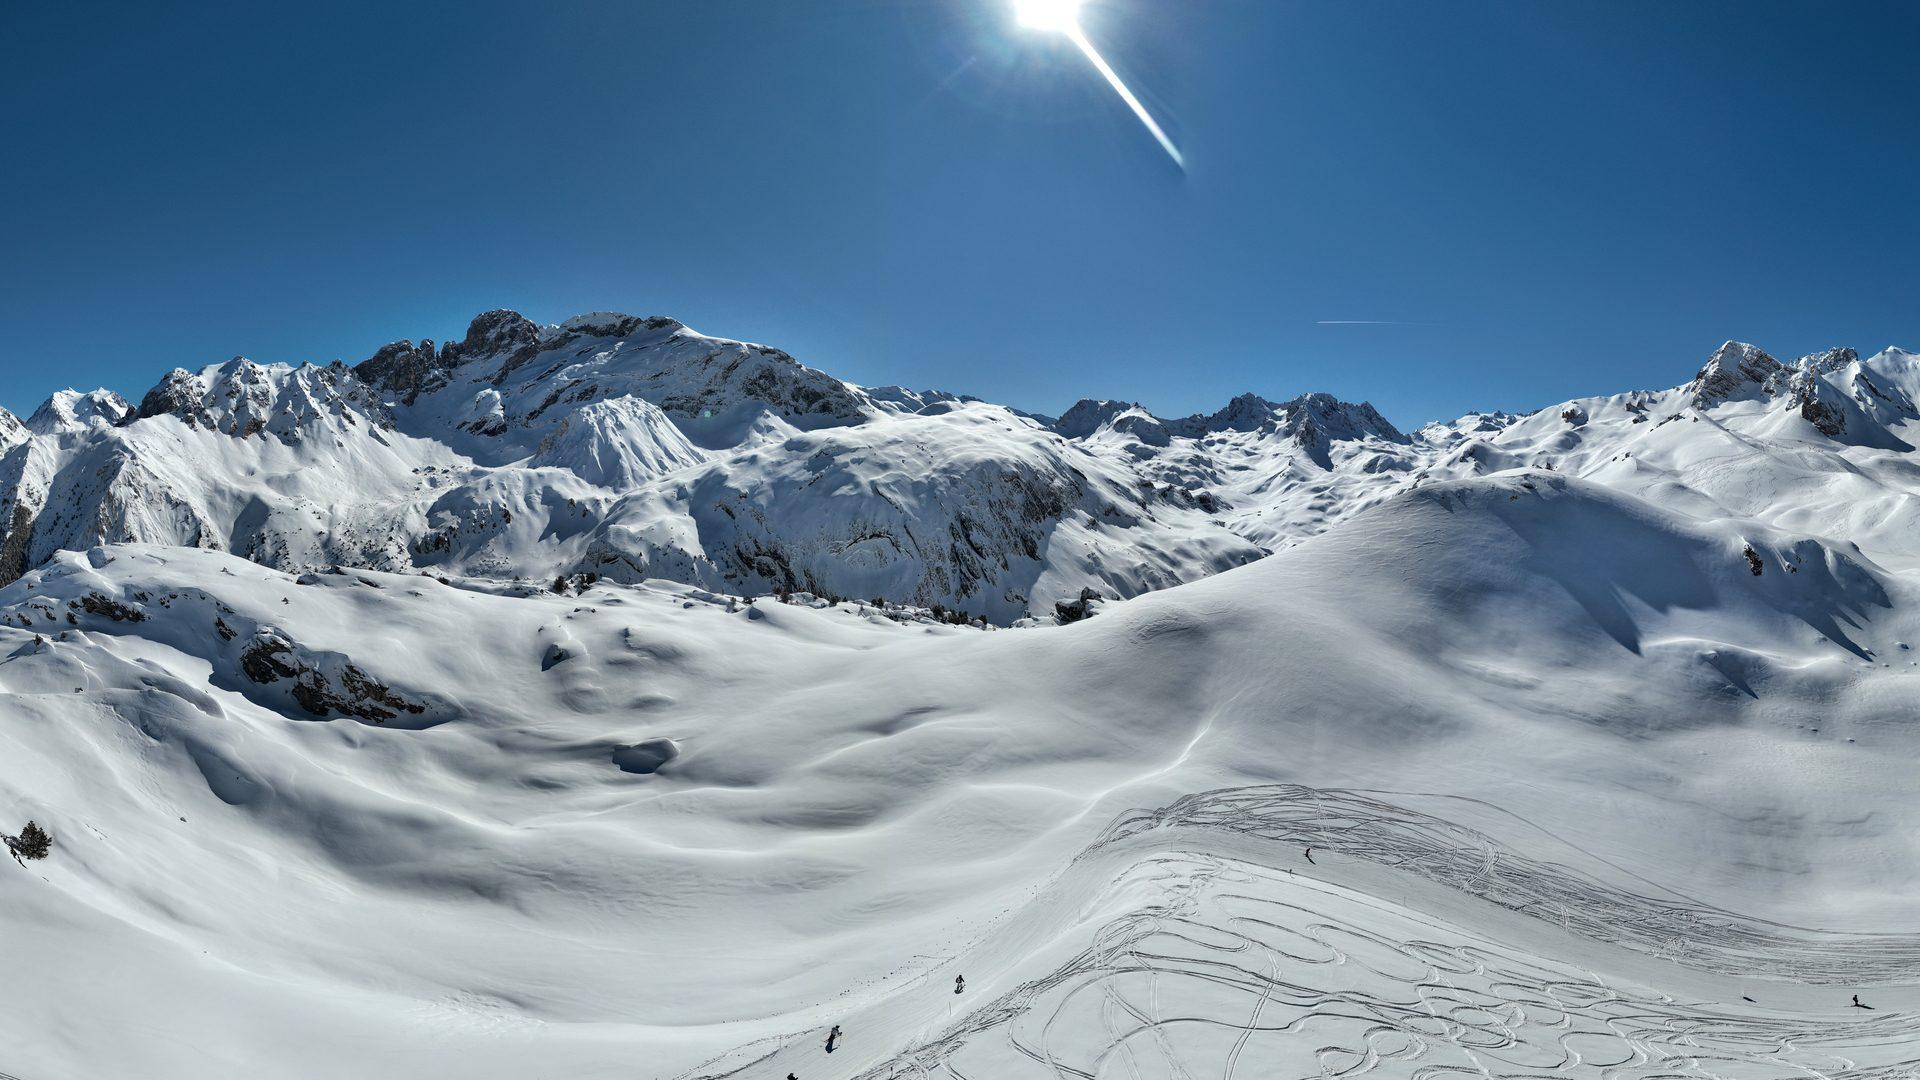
1057, 16
1063, 17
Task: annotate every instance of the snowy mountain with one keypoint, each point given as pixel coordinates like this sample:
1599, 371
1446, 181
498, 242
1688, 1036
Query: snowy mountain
614, 445
1575, 743
636, 448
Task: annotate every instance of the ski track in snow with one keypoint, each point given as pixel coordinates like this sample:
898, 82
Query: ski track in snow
1242, 966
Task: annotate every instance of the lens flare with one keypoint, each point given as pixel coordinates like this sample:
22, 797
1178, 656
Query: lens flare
1063, 17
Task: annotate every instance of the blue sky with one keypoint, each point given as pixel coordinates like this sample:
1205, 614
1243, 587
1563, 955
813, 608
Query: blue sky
1541, 200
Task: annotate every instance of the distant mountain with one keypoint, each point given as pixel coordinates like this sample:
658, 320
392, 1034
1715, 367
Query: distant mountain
636, 448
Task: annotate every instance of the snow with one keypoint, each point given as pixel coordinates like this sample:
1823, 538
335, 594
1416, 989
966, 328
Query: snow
1605, 767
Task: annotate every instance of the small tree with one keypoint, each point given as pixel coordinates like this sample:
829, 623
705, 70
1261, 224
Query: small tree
32, 843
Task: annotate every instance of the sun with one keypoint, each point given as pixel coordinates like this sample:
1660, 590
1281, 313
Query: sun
1058, 16
1063, 17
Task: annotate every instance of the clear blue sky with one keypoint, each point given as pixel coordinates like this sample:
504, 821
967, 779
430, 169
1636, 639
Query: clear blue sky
1550, 198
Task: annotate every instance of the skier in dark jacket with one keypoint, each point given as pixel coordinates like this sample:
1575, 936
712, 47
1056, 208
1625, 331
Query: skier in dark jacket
831, 1036
959, 983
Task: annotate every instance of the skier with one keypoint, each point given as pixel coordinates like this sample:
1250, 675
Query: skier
1310, 854
831, 1036
1857, 1005
959, 983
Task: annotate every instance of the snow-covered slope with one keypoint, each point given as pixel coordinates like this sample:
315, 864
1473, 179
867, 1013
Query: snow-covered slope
1575, 743
1559, 753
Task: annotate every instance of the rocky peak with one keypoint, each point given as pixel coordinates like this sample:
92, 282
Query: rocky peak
1829, 360
1248, 412
1735, 369
242, 399
71, 410
405, 369
1089, 415
502, 333
1318, 417
178, 393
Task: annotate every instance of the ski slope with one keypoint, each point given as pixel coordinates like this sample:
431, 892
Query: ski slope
1595, 784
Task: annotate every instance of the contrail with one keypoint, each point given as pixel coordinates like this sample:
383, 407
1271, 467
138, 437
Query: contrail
1079, 38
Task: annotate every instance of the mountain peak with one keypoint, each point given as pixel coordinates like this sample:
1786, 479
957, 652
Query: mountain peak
1736, 369
492, 333
1088, 415
242, 398
1828, 360
71, 410
618, 324
1324, 416
1246, 412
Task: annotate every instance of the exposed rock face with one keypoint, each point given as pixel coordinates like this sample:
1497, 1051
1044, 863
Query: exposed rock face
1072, 611
508, 335
1804, 397
180, 393
1735, 369
1831, 360
107, 607
405, 369
322, 685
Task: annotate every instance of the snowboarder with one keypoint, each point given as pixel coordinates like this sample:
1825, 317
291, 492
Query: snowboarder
831, 1036
959, 983
1310, 854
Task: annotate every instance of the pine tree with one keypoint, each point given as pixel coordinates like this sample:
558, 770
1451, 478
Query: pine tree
32, 843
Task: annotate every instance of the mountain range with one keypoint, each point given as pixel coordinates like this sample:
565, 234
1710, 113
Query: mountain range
605, 700
635, 448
